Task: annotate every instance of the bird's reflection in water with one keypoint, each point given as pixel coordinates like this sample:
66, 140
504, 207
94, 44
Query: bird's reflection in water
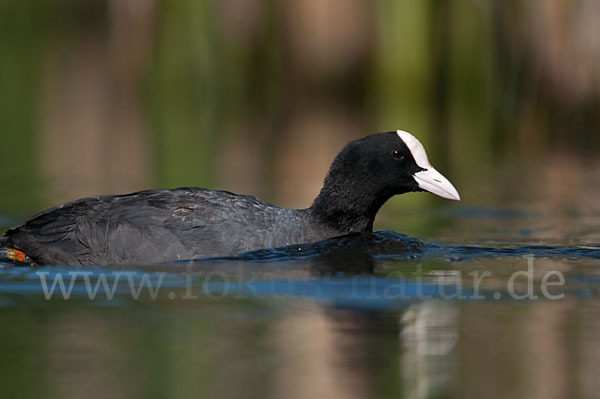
429, 332
333, 352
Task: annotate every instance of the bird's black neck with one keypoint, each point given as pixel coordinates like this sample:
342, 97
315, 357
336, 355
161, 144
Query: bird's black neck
346, 206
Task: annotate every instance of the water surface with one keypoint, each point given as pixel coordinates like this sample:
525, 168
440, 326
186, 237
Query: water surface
510, 312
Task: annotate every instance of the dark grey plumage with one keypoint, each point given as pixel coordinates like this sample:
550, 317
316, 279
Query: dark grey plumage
158, 225
163, 225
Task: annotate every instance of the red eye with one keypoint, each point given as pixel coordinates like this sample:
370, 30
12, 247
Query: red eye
397, 155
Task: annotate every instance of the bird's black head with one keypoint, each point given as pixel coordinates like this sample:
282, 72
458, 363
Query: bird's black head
378, 163
367, 172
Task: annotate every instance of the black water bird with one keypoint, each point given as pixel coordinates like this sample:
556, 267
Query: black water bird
157, 226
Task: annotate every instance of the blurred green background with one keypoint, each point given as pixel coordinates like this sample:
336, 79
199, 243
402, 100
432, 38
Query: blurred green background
258, 96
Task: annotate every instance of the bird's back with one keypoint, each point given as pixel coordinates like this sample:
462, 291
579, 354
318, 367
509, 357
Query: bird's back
155, 226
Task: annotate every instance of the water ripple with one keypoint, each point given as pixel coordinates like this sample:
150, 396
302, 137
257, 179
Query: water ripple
389, 244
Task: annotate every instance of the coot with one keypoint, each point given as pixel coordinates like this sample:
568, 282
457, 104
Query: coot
162, 225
